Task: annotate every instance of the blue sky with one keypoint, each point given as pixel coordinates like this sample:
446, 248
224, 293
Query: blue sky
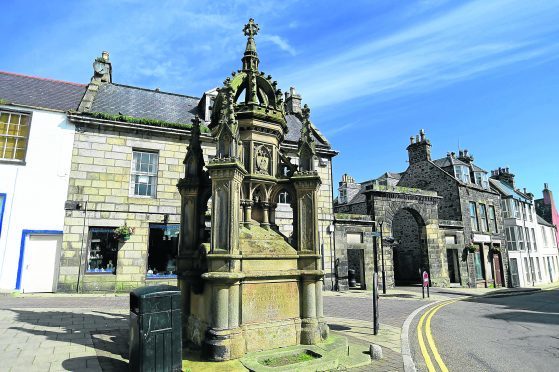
482, 74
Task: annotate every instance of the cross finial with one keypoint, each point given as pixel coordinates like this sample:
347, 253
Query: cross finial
251, 28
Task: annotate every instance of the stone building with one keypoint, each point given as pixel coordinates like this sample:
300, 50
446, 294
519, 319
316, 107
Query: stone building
433, 210
128, 153
530, 240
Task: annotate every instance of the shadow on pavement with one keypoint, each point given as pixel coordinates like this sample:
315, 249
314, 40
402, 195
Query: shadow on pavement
106, 332
534, 307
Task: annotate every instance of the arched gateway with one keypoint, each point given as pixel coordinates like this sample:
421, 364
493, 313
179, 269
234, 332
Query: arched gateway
410, 216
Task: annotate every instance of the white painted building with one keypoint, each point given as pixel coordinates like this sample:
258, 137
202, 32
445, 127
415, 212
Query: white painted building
533, 254
36, 141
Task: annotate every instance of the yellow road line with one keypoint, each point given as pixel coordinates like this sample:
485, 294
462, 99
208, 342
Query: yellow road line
422, 346
431, 342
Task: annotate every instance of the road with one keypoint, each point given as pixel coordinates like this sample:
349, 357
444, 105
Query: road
514, 333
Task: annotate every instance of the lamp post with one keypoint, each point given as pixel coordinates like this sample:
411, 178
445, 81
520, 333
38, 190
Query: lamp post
381, 222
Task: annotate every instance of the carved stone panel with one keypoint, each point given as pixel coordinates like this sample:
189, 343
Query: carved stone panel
265, 302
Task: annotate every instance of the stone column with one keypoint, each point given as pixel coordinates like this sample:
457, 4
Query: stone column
226, 176
310, 333
266, 217
248, 212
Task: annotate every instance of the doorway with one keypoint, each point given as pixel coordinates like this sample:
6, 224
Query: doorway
515, 281
497, 270
356, 268
40, 266
453, 266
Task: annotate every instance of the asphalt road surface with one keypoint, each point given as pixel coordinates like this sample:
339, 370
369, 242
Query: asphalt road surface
514, 333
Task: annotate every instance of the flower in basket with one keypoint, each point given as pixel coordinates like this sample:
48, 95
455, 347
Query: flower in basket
495, 250
471, 248
123, 232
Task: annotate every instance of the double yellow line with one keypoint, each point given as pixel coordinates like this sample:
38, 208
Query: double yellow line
427, 331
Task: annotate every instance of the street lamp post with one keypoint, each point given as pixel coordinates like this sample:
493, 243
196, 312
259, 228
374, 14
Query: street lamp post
381, 222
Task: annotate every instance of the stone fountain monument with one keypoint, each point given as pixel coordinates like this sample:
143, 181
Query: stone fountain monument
250, 288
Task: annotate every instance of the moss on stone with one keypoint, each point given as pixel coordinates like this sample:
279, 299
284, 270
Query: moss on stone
145, 121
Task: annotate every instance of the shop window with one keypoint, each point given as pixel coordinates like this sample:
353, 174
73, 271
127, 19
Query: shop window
103, 249
14, 133
162, 250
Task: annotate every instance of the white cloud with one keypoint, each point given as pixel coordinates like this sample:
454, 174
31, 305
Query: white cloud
467, 41
280, 42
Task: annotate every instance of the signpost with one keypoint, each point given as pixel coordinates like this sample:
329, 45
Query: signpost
375, 304
425, 282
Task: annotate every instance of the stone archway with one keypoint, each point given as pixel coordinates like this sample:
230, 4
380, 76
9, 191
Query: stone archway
409, 254
411, 217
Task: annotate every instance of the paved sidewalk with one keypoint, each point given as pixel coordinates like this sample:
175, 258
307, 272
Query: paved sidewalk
63, 340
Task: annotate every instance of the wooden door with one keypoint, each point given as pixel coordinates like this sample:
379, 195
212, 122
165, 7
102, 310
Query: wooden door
39, 268
497, 270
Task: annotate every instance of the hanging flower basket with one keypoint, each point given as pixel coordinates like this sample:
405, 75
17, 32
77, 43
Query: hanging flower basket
495, 250
471, 248
123, 233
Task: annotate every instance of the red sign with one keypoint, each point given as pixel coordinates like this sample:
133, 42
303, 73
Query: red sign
425, 279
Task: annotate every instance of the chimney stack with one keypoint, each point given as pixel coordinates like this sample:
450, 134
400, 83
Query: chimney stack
292, 102
503, 175
420, 150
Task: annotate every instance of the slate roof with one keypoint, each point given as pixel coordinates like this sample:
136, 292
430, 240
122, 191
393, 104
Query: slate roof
541, 221
145, 103
508, 191
39, 92
447, 161
294, 132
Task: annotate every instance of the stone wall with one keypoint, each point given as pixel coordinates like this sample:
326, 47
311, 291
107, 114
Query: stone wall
489, 198
343, 245
100, 182
427, 176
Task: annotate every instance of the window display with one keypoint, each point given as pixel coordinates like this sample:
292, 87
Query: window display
103, 249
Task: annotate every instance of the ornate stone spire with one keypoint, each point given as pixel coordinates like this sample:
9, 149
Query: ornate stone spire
307, 146
250, 59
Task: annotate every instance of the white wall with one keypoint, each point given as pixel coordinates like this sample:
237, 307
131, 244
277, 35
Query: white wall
36, 191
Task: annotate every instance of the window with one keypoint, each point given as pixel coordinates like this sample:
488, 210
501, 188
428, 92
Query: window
523, 211
284, 198
478, 265
527, 271
528, 238
473, 216
14, 133
510, 233
520, 237
534, 239
481, 179
103, 248
516, 209
462, 173
162, 250
539, 269
483, 217
531, 213
505, 206
544, 234
343, 196
493, 219
144, 173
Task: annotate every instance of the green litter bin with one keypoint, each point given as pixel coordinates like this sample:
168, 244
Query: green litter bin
155, 329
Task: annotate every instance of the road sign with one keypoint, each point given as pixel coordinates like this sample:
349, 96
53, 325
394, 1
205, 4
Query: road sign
425, 279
